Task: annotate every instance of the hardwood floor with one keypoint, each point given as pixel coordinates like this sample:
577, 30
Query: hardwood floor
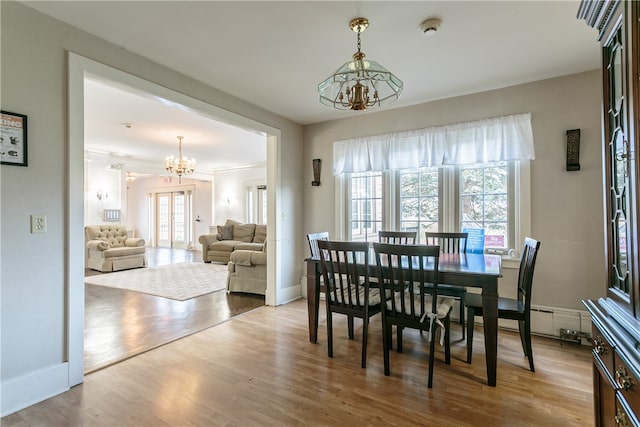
259, 369
120, 324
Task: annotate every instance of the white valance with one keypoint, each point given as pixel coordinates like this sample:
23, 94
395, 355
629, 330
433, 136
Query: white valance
482, 141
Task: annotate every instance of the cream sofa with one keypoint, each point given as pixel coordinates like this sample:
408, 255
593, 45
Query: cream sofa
109, 248
248, 272
232, 236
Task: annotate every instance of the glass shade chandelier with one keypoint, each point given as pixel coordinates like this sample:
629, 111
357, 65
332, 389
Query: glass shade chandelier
181, 165
359, 84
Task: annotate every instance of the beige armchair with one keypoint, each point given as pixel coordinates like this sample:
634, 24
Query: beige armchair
248, 271
109, 248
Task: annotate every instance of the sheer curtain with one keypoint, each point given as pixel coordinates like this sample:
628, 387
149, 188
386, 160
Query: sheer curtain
481, 141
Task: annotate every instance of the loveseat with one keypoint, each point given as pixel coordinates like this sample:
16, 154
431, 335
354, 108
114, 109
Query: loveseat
109, 248
232, 236
248, 271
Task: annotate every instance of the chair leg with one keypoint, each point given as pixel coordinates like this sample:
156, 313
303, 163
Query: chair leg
523, 339
365, 329
350, 326
447, 340
470, 319
528, 348
386, 339
399, 336
329, 333
432, 350
462, 320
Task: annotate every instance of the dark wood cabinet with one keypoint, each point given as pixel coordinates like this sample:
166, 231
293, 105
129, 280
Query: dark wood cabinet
616, 316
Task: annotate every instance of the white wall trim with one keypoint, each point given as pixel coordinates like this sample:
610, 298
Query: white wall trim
18, 393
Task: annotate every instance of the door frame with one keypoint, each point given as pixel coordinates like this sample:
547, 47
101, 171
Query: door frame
79, 67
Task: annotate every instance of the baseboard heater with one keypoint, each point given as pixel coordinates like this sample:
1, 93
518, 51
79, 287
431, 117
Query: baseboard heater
561, 323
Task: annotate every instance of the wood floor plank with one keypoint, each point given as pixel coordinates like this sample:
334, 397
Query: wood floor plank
259, 369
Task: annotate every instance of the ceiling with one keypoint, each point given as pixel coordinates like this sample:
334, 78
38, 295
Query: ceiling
274, 54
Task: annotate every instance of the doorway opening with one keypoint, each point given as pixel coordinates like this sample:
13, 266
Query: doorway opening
81, 68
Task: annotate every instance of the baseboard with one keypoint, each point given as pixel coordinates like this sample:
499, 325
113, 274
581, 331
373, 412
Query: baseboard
19, 393
289, 294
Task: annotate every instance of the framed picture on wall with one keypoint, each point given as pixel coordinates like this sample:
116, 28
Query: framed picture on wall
13, 138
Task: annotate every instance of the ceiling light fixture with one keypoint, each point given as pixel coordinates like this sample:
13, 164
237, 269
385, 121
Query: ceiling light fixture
359, 84
180, 166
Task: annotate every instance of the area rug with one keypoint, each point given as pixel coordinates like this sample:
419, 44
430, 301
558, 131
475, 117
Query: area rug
176, 281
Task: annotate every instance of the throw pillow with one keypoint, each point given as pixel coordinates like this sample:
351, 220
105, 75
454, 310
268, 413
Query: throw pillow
244, 232
261, 234
225, 232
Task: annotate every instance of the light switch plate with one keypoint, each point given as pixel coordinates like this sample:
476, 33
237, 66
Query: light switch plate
38, 224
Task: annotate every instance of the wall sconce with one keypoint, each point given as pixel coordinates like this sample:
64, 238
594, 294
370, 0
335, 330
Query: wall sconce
573, 150
101, 194
317, 165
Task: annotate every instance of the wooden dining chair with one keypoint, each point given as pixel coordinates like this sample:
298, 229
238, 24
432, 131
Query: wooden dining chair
397, 237
346, 285
404, 274
313, 238
451, 243
511, 308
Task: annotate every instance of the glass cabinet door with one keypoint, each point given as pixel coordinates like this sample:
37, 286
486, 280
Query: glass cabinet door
619, 170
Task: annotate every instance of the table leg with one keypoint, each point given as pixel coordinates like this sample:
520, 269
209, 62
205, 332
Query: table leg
490, 324
313, 298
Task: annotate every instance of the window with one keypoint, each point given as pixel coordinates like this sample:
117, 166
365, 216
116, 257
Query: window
484, 202
449, 198
256, 203
419, 200
365, 193
262, 204
450, 177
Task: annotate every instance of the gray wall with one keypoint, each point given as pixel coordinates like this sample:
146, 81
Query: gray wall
34, 280
566, 215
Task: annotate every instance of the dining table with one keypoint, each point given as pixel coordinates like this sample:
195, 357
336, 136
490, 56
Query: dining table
470, 270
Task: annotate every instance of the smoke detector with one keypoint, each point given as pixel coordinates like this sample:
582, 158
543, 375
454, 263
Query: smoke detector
430, 26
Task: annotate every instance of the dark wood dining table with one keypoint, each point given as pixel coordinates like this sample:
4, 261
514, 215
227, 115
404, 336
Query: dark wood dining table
467, 269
